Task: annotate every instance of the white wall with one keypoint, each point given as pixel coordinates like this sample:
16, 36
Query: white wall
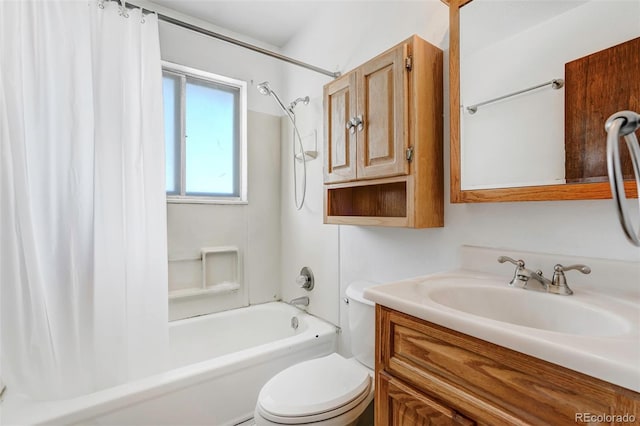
305, 240
254, 228
347, 253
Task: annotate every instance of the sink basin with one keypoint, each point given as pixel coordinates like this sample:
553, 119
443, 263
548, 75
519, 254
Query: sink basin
593, 332
530, 309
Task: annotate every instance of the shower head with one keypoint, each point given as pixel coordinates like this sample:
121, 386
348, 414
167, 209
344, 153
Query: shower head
293, 104
264, 88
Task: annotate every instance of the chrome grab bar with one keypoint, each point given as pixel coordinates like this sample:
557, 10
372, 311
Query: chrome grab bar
555, 84
623, 124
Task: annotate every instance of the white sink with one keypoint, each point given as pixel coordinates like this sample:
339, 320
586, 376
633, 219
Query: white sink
532, 309
593, 333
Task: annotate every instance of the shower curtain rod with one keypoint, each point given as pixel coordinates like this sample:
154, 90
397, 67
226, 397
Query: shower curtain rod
209, 33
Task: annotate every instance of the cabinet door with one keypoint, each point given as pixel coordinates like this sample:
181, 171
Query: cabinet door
398, 404
340, 142
383, 105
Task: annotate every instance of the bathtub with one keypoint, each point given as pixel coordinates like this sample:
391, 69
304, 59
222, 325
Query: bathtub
219, 362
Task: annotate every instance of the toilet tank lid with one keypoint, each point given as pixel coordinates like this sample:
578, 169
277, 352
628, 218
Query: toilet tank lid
355, 291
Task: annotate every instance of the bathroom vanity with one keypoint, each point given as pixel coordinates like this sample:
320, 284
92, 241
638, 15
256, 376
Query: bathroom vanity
464, 347
428, 374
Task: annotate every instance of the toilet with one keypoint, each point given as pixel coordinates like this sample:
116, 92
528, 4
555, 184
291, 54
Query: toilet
327, 391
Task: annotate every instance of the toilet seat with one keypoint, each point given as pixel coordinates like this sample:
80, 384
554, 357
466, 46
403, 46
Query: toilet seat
315, 390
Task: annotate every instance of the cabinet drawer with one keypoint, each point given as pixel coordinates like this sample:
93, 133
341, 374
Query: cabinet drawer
489, 383
401, 405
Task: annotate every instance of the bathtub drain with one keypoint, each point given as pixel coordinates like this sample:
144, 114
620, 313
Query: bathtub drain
294, 323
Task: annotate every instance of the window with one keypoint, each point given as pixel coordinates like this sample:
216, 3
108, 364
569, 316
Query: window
205, 136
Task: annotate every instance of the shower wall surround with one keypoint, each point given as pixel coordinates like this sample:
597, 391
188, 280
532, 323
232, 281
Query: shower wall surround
253, 228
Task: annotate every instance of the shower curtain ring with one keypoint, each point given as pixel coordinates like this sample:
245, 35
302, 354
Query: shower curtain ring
101, 4
123, 9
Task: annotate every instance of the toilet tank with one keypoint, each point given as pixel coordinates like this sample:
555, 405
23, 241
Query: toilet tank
362, 323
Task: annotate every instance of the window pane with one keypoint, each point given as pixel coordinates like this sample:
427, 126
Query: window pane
212, 139
171, 96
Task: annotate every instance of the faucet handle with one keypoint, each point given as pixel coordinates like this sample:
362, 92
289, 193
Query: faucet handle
305, 279
582, 268
519, 275
519, 263
559, 281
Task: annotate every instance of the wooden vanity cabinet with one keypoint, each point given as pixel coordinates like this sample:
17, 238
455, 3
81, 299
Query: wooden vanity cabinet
430, 375
383, 140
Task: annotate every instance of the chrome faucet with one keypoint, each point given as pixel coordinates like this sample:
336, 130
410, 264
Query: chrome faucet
300, 301
556, 285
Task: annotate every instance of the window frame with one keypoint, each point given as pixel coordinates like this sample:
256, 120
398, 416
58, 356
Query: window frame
183, 72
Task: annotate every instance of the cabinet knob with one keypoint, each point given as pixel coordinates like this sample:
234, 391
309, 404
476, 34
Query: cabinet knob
355, 123
359, 122
350, 126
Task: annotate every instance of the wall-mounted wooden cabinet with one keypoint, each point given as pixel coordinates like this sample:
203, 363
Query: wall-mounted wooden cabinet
430, 375
383, 140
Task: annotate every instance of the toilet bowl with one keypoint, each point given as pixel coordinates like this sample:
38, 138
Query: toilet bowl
327, 391
331, 390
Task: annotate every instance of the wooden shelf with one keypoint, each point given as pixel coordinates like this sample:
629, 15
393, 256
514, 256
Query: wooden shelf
379, 202
385, 200
401, 222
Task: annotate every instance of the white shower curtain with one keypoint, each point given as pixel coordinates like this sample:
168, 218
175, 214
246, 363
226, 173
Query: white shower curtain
83, 252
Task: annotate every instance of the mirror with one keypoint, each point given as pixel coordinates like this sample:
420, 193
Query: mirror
514, 149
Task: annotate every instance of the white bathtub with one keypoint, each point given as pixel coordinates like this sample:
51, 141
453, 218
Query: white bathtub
219, 362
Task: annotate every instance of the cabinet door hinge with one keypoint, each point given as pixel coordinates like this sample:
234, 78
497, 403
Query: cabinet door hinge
408, 62
410, 153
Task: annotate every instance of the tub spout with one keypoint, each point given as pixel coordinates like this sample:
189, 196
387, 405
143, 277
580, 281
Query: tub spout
300, 301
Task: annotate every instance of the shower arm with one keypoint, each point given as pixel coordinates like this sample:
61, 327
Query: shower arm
623, 124
295, 102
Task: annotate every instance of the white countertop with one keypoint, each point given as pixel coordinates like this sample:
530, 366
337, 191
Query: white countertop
613, 358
